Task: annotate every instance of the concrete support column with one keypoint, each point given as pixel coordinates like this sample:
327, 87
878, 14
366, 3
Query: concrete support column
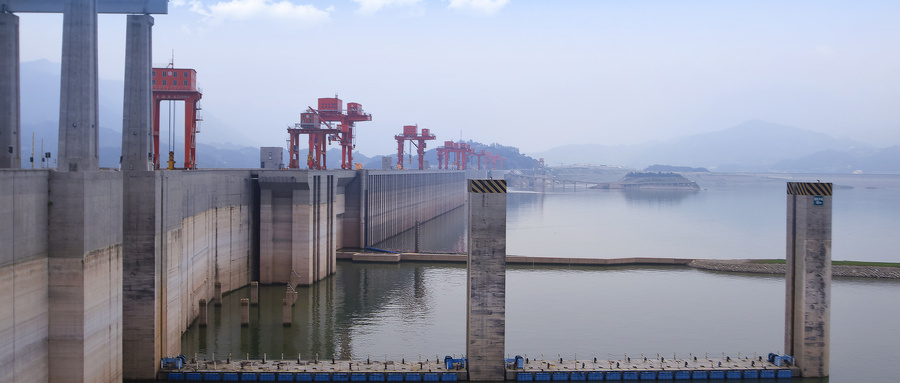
808, 277
254, 293
85, 279
78, 100
245, 312
137, 119
10, 122
204, 312
218, 294
141, 208
486, 285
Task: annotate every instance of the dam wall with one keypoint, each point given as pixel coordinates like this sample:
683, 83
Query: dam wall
393, 201
24, 274
102, 271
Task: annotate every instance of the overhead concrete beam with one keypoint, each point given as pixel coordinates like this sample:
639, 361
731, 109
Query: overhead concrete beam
103, 6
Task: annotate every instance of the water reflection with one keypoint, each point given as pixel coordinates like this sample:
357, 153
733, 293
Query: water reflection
657, 197
412, 309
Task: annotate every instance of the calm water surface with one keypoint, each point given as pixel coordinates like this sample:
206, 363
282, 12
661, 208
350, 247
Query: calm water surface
413, 309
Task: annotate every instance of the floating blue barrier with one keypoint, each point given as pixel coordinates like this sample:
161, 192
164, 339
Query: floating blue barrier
431, 377
595, 376
700, 375
358, 377
230, 377
577, 376
767, 374
665, 375
303, 377
784, 374
751, 374
613, 376
412, 377
340, 377
524, 377
733, 374
212, 377
448, 377
193, 377
248, 377
286, 377
717, 374
321, 377
541, 376
394, 377
267, 377
175, 377
648, 375
631, 375
682, 375
376, 377
560, 376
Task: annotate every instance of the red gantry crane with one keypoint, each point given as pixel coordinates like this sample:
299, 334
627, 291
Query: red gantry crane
316, 123
411, 133
461, 152
177, 84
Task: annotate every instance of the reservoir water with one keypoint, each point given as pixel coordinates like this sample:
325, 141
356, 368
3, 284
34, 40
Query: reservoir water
414, 310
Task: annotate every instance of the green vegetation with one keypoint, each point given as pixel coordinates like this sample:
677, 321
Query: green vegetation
842, 263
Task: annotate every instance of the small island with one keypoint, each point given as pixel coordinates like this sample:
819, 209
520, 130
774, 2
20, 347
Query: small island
651, 181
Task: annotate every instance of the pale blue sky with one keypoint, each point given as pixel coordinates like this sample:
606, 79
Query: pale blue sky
532, 74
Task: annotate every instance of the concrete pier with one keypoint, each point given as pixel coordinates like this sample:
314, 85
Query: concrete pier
254, 293
217, 294
79, 98
808, 276
486, 285
10, 122
204, 313
245, 312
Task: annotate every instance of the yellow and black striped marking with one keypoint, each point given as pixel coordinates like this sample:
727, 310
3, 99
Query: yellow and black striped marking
487, 186
809, 188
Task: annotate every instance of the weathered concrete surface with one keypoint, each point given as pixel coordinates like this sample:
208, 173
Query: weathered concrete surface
392, 201
23, 276
78, 101
137, 116
206, 237
300, 224
486, 285
85, 273
141, 273
808, 278
10, 122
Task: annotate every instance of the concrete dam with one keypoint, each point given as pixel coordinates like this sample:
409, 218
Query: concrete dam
104, 270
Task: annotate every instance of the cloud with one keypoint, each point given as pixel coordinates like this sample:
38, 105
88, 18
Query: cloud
368, 7
248, 10
480, 7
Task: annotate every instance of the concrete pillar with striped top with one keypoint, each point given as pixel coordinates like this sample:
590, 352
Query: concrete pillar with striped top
486, 285
808, 276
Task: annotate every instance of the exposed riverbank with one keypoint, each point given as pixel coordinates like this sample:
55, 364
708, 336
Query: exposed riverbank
725, 265
749, 266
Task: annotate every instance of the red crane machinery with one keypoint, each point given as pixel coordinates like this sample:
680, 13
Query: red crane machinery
460, 150
177, 84
411, 133
311, 122
480, 154
495, 159
319, 133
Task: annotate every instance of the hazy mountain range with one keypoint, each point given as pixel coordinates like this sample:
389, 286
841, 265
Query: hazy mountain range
753, 146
